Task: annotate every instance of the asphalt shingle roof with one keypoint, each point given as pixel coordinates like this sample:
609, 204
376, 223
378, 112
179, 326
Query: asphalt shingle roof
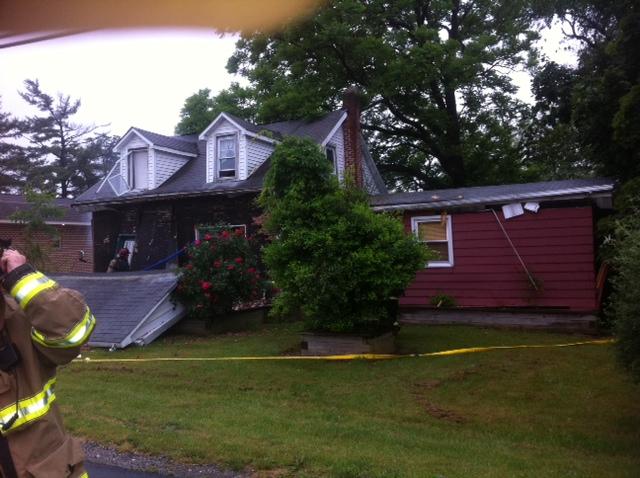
120, 300
191, 178
505, 193
186, 144
10, 203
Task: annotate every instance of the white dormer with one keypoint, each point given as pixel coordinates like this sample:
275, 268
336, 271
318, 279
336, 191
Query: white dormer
143, 165
233, 151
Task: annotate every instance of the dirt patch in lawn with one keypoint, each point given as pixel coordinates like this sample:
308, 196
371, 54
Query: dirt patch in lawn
421, 392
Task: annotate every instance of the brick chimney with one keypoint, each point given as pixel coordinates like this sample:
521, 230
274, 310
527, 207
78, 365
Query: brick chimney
351, 129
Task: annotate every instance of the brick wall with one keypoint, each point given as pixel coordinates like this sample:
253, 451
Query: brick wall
64, 258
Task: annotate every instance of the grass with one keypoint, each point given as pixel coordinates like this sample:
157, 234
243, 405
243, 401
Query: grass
513, 413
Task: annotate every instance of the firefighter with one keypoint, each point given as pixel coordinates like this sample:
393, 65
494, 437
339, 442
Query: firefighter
42, 325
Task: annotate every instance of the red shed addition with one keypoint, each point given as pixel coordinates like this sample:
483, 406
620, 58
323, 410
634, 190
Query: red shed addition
511, 249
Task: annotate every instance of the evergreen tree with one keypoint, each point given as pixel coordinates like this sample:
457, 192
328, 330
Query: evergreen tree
61, 152
13, 164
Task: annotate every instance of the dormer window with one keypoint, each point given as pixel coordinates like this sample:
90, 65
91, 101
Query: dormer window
330, 151
138, 168
227, 156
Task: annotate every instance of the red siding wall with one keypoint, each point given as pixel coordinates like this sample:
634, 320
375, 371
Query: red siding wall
555, 244
62, 259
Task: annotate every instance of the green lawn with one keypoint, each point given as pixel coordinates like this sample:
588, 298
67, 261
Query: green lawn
513, 413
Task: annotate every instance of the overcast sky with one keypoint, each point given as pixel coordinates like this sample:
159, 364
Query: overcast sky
141, 78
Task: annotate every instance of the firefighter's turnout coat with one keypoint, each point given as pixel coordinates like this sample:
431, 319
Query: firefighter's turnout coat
47, 324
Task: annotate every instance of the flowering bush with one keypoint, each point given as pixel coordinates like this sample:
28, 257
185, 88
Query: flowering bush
221, 273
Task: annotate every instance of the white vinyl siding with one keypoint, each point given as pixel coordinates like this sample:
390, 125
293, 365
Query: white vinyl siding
257, 152
166, 164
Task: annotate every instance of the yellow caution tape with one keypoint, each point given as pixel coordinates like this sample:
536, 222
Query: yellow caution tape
469, 350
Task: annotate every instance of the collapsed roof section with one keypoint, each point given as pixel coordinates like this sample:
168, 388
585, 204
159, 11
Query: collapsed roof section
130, 307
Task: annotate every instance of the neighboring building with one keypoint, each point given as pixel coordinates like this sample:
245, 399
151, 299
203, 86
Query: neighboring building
517, 248
71, 251
165, 190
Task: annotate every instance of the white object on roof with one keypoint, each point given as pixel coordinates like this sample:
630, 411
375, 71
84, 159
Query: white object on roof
512, 210
532, 206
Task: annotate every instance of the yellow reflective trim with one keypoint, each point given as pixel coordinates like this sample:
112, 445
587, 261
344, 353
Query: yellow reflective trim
29, 409
47, 285
78, 335
84, 475
24, 280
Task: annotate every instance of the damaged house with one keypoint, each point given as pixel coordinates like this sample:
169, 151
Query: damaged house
167, 190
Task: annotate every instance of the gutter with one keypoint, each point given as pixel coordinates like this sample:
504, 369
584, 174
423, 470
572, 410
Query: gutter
162, 196
565, 194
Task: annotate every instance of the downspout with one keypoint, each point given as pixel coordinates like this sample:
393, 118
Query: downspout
515, 251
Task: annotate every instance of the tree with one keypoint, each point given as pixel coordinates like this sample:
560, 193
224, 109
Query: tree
550, 143
62, 152
41, 208
605, 95
200, 109
332, 257
434, 74
12, 171
624, 306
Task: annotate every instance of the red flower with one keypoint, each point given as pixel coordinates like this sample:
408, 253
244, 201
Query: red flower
251, 270
231, 267
239, 260
197, 242
207, 237
205, 285
217, 264
239, 232
225, 234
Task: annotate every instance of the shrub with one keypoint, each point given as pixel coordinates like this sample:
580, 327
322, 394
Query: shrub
221, 273
332, 257
443, 301
624, 306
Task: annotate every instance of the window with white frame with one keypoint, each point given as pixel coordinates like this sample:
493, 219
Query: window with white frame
138, 168
330, 151
435, 233
227, 156
203, 229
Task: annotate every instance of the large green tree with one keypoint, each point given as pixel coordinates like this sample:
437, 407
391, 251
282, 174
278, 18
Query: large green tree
439, 104
201, 108
62, 153
550, 143
605, 90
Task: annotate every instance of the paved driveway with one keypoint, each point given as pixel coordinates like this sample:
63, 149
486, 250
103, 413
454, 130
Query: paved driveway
107, 471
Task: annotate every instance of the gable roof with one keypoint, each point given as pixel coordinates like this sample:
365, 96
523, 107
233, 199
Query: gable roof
190, 180
317, 130
185, 144
491, 195
10, 203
